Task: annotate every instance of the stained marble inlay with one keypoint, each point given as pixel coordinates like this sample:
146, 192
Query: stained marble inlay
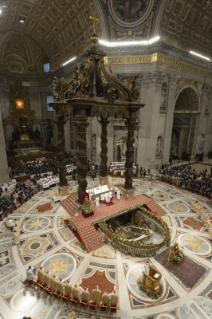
195, 244
142, 190
62, 265
105, 266
23, 301
178, 207
36, 224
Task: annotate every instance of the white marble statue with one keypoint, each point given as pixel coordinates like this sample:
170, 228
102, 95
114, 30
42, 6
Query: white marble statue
202, 143
159, 148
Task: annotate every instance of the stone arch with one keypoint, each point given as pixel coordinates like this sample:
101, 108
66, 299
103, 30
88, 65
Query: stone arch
186, 115
190, 95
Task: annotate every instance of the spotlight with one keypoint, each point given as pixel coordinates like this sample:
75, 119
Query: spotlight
128, 43
69, 61
200, 56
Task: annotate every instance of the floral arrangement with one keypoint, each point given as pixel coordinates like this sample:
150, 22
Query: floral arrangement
150, 248
175, 255
150, 294
72, 225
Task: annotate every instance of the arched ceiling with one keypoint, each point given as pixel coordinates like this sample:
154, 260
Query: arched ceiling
56, 30
186, 23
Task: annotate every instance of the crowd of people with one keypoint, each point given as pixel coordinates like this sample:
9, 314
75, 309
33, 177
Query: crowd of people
10, 200
187, 177
36, 167
12, 224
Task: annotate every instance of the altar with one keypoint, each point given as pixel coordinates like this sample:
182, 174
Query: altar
97, 191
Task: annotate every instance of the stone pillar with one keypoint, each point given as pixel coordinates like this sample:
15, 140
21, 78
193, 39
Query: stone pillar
202, 123
4, 176
67, 135
131, 125
60, 120
81, 124
103, 164
170, 117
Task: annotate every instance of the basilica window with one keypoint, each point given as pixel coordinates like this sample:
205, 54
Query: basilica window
46, 67
49, 99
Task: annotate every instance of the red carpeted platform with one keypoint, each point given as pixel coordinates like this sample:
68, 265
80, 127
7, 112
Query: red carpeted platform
85, 228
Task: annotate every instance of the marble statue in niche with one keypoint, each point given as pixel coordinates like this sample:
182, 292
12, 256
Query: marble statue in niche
164, 96
202, 143
174, 143
159, 148
123, 154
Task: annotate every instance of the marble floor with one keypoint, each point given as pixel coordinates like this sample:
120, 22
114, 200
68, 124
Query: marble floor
45, 241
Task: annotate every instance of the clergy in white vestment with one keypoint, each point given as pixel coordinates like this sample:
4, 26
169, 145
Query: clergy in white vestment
30, 275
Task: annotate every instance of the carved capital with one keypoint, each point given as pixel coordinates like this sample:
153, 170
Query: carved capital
173, 80
206, 88
104, 121
131, 124
154, 78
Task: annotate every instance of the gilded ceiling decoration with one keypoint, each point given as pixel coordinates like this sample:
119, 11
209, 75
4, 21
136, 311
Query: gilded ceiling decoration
20, 54
57, 29
188, 23
130, 11
130, 19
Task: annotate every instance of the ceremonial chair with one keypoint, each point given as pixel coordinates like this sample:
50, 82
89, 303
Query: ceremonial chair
45, 284
113, 303
75, 297
52, 285
84, 299
59, 290
96, 297
67, 292
40, 278
105, 303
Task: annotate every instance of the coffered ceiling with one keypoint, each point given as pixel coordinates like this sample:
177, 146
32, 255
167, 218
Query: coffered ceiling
187, 23
58, 28
33, 32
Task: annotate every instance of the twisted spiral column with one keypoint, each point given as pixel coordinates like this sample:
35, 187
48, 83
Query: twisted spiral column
60, 120
103, 155
131, 125
81, 125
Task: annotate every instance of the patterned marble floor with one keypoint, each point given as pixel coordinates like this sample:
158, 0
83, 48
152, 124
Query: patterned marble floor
45, 241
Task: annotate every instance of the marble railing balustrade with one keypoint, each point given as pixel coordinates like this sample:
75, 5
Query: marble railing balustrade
140, 249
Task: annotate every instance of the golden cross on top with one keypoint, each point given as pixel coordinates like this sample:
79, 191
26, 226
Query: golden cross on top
94, 18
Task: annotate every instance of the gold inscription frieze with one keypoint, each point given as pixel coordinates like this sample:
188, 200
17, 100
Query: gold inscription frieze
181, 65
157, 58
131, 59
